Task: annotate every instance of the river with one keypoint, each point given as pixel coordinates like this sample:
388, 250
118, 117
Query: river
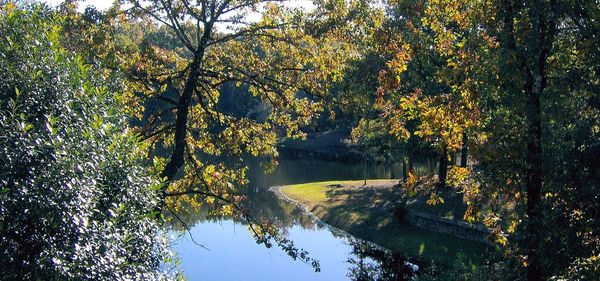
230, 252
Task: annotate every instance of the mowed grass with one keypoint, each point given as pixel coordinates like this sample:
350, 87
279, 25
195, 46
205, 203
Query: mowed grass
360, 210
316, 192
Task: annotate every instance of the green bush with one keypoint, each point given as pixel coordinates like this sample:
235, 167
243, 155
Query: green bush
76, 202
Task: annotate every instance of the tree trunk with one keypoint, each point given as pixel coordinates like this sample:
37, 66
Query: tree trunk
404, 171
545, 25
177, 158
365, 168
534, 176
464, 151
443, 168
535, 84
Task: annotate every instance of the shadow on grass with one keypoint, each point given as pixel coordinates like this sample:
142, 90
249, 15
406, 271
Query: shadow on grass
364, 213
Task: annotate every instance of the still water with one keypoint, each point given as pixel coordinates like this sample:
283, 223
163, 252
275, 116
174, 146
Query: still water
231, 252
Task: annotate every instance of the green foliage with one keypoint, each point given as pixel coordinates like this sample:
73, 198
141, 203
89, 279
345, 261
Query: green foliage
76, 202
520, 79
177, 67
178, 57
515, 82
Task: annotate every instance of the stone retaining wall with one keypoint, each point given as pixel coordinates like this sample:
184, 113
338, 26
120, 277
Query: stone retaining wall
453, 227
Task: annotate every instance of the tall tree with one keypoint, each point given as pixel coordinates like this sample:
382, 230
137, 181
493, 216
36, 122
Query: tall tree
206, 45
511, 56
176, 57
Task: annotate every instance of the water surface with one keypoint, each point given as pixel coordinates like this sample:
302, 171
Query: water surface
233, 254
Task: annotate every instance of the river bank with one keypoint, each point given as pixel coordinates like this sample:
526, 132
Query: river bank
366, 213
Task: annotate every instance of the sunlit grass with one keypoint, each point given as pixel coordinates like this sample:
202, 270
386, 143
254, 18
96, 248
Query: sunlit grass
359, 210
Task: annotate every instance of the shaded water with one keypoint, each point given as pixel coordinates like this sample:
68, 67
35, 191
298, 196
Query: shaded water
234, 255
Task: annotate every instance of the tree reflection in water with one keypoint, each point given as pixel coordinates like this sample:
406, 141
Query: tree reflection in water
370, 263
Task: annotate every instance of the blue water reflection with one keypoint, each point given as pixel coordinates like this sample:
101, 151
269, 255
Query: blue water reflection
234, 255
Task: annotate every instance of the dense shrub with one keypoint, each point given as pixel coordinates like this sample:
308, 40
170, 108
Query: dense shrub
75, 201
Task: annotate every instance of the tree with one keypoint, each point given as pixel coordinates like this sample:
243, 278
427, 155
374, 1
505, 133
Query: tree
527, 33
212, 44
512, 63
176, 57
76, 201
428, 92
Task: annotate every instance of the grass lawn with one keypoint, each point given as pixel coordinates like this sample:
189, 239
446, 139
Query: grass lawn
359, 210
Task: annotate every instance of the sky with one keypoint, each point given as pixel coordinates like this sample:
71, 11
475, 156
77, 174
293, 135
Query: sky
251, 17
100, 4
104, 4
